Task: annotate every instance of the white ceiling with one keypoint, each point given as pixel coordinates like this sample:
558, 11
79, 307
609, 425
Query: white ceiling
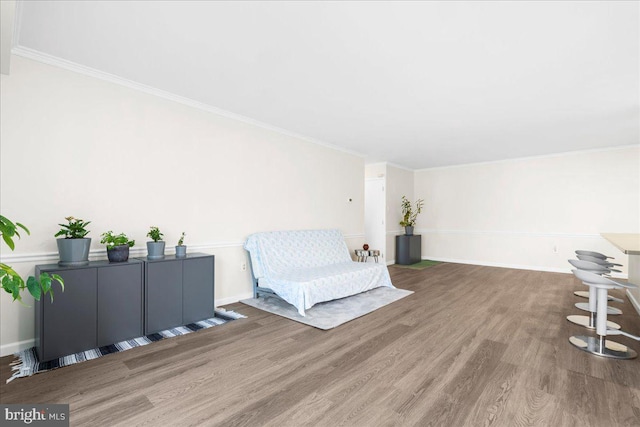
417, 84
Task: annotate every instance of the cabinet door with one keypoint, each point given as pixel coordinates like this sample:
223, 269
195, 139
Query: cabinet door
163, 295
119, 303
69, 323
197, 289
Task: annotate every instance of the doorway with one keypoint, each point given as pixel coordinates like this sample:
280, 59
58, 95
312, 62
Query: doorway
374, 215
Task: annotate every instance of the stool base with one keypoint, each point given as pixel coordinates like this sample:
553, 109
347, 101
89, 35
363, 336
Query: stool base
584, 321
610, 349
611, 311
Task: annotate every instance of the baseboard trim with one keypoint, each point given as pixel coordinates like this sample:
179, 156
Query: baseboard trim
566, 270
14, 347
634, 302
233, 299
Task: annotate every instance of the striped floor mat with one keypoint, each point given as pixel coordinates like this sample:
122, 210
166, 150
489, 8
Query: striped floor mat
27, 363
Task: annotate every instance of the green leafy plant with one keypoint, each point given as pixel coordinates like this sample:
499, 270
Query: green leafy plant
155, 234
408, 214
10, 280
181, 241
113, 240
75, 229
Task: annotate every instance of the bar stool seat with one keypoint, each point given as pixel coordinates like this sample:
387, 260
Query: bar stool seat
600, 261
604, 263
593, 254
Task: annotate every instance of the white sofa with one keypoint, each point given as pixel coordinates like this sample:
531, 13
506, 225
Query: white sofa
309, 266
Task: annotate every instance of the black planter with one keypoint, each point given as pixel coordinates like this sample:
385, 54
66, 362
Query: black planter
118, 253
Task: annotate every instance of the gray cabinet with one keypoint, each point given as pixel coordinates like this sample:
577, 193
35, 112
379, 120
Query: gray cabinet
178, 291
119, 303
408, 249
101, 304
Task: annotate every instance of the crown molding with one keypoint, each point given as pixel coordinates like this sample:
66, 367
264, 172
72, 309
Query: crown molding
55, 61
542, 156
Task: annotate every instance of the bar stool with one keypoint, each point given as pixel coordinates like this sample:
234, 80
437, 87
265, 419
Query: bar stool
599, 345
604, 263
593, 254
591, 306
599, 261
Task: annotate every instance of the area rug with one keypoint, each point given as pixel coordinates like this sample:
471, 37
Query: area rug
328, 315
28, 364
425, 263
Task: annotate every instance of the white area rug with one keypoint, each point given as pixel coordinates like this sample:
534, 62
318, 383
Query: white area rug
328, 315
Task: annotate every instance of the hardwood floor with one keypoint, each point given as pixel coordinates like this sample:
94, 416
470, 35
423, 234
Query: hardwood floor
473, 346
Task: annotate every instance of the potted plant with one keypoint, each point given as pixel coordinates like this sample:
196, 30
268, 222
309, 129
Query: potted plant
409, 215
10, 280
117, 246
155, 249
73, 248
181, 249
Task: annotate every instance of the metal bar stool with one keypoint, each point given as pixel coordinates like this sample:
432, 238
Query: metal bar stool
592, 305
599, 345
602, 260
599, 261
593, 254
604, 263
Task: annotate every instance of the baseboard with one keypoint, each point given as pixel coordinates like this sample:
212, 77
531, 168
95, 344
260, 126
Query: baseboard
233, 299
634, 302
391, 262
14, 347
566, 270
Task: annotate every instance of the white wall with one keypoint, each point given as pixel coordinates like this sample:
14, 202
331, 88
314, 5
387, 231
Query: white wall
400, 182
76, 145
530, 213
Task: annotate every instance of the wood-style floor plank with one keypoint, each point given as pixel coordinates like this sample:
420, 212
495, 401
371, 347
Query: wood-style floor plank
473, 346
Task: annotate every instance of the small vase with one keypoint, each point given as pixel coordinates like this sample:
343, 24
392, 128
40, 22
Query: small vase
118, 253
408, 230
181, 251
74, 252
155, 250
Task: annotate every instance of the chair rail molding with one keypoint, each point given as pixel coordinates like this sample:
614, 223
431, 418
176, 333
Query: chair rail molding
94, 254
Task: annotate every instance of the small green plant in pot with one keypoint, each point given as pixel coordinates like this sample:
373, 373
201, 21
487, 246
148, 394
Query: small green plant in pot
117, 246
181, 249
73, 248
409, 216
155, 248
10, 280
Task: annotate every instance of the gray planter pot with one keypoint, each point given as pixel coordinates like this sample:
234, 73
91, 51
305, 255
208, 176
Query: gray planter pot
155, 250
73, 252
118, 253
408, 230
181, 251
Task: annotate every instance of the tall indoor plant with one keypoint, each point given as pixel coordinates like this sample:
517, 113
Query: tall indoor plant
10, 281
117, 246
409, 216
73, 248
